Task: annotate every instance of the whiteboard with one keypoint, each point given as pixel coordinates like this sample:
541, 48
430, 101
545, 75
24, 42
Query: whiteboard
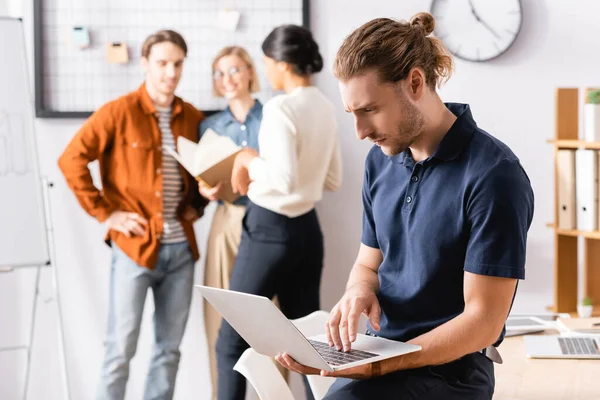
23, 240
75, 80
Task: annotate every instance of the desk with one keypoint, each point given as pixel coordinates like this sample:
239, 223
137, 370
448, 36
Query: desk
522, 378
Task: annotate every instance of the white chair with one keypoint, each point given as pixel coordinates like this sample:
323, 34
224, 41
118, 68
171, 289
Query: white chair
263, 375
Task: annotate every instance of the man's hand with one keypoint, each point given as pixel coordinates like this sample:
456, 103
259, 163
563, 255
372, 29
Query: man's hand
190, 214
365, 371
128, 223
211, 193
342, 325
240, 177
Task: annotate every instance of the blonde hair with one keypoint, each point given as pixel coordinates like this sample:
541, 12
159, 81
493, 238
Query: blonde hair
243, 54
393, 48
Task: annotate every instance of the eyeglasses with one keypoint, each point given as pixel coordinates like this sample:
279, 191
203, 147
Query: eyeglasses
232, 72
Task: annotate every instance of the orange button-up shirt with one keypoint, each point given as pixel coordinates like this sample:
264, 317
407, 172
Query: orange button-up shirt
124, 137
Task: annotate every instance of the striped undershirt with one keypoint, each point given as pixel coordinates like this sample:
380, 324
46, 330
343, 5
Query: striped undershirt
172, 182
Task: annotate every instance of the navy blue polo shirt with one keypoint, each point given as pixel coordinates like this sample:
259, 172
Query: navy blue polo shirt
468, 207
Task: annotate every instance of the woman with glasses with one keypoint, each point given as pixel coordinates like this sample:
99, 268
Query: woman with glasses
234, 78
281, 251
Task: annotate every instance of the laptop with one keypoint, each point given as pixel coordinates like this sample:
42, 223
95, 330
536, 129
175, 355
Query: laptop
555, 346
264, 327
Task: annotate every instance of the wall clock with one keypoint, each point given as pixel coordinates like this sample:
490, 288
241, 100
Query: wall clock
477, 30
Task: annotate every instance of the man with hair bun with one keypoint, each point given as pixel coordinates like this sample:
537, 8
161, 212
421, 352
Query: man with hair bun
446, 212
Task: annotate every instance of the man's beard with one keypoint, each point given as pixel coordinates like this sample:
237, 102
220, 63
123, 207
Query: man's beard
408, 131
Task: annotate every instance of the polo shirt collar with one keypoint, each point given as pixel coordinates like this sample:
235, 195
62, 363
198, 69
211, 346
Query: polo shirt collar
459, 135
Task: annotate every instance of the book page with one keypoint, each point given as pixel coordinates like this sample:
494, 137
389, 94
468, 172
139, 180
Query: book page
186, 151
211, 150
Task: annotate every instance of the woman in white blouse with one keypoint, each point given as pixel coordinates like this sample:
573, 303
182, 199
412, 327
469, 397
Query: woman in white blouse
281, 251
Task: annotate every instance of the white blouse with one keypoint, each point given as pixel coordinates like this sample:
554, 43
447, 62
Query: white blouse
299, 153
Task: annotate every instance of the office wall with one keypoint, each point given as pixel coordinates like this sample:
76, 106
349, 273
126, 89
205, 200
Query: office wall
511, 97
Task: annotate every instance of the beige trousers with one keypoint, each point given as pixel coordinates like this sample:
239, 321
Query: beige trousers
221, 250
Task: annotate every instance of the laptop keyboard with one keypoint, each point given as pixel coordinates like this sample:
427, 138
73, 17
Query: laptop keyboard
575, 346
336, 358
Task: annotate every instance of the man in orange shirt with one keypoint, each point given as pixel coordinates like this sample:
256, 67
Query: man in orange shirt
149, 204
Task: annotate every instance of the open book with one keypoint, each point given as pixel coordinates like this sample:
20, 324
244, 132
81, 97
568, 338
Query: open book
210, 160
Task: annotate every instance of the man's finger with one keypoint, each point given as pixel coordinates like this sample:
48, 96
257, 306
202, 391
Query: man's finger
138, 218
344, 329
334, 330
285, 363
299, 368
123, 230
374, 314
136, 228
328, 333
353, 317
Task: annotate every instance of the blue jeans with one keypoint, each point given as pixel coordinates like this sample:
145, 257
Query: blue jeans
171, 282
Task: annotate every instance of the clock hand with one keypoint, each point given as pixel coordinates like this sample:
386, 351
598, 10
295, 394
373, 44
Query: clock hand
482, 22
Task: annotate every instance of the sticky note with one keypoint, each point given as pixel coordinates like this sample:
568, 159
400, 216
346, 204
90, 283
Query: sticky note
116, 53
80, 37
228, 19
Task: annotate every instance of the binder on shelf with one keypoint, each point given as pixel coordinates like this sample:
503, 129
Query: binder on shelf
566, 189
586, 187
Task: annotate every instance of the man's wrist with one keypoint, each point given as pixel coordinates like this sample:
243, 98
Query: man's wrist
366, 284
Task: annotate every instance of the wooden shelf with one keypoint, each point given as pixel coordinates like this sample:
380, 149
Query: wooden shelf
575, 144
568, 241
574, 232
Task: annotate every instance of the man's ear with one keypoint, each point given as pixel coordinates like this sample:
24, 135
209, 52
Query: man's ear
416, 83
144, 63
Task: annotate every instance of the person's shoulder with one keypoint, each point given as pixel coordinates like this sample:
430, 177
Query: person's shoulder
120, 107
257, 110
322, 97
279, 105
496, 160
490, 147
486, 151
213, 121
375, 159
190, 111
277, 102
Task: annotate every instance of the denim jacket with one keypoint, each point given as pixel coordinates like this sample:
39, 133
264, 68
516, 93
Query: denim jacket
243, 134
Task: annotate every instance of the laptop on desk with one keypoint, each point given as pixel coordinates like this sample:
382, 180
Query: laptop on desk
554, 346
269, 332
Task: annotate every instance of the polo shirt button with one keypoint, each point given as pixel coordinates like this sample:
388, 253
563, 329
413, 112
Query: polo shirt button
408, 199
243, 127
134, 145
415, 178
157, 194
244, 143
158, 171
159, 214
